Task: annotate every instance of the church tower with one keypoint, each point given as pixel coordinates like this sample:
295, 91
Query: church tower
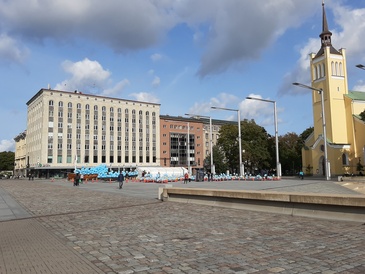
328, 73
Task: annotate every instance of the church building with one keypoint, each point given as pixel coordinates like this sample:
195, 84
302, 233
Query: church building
342, 133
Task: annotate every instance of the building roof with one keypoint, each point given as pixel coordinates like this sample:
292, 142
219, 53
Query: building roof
85, 94
356, 95
196, 119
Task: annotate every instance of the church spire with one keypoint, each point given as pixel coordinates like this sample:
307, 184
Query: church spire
326, 34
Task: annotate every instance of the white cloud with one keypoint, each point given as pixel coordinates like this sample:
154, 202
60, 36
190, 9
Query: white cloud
117, 89
156, 57
156, 82
222, 100
87, 75
360, 86
11, 50
261, 112
145, 97
7, 145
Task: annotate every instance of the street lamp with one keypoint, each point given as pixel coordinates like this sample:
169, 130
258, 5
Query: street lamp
242, 168
278, 165
320, 91
210, 137
360, 66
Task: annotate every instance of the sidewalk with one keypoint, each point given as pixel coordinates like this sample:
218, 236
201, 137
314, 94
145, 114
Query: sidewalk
97, 228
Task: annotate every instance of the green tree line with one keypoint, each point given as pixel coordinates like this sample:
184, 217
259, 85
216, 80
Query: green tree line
7, 159
258, 150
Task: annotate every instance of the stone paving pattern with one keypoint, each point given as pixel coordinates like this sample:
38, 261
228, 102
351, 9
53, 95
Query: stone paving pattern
78, 230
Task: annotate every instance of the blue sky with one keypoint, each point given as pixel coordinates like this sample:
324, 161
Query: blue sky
187, 55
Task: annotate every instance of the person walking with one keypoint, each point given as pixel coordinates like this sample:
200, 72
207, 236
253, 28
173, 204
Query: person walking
120, 180
301, 175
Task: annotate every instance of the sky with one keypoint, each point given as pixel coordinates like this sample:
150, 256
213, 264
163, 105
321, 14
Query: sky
187, 55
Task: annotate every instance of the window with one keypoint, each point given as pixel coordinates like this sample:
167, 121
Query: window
60, 104
50, 103
78, 106
87, 107
69, 105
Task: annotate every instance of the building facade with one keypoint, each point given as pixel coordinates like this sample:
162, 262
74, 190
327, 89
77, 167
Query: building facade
345, 131
71, 129
20, 163
174, 141
181, 142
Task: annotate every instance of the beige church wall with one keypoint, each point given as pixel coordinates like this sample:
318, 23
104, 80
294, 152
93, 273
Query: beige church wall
360, 139
307, 167
337, 129
358, 107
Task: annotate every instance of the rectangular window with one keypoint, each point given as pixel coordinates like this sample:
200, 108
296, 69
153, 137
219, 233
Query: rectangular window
69, 159
49, 160
86, 159
59, 159
69, 136
60, 125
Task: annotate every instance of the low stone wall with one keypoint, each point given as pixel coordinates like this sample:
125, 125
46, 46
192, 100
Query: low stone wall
325, 206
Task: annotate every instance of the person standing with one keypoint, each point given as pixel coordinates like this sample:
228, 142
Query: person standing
77, 179
186, 178
120, 180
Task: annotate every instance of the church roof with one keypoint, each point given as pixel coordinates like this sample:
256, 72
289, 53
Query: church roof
356, 95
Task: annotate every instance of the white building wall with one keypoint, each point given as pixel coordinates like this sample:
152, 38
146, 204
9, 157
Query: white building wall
115, 132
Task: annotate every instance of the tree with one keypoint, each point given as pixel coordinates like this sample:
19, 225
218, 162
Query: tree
219, 161
305, 134
362, 115
254, 143
7, 159
290, 146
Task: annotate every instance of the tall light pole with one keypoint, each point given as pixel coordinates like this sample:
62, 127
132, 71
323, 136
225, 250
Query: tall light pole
360, 66
278, 165
242, 168
210, 138
320, 91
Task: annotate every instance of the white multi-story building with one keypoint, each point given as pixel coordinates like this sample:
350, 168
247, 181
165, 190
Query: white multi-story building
65, 129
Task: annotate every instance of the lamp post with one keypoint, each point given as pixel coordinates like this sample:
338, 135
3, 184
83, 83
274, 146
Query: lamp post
210, 138
242, 168
278, 165
360, 66
320, 91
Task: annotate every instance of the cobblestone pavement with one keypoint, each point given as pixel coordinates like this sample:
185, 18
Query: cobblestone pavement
110, 232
